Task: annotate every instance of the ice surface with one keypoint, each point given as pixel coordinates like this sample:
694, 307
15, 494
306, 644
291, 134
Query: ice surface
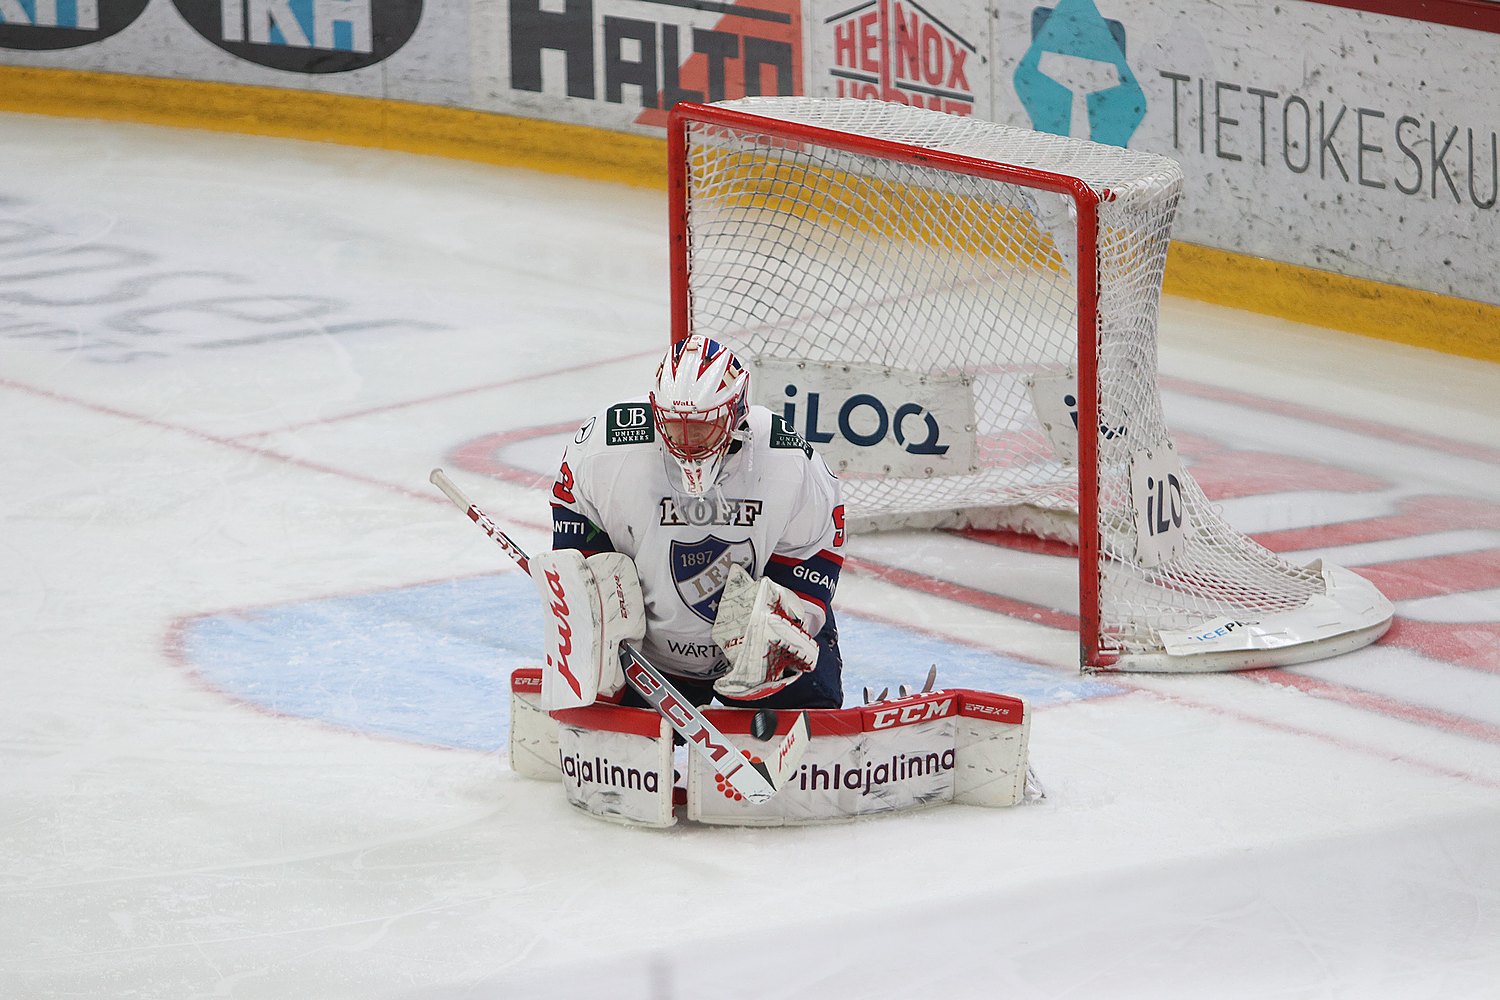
253, 665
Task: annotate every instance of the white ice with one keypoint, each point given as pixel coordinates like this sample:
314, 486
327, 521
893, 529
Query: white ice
251, 663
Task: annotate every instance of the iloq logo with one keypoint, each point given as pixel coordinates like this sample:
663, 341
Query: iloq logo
1054, 396
1162, 524
305, 36
63, 24
866, 419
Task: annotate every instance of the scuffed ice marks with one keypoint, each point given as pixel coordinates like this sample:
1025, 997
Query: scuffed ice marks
74, 284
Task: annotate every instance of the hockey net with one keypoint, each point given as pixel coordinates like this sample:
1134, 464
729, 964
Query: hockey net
938, 304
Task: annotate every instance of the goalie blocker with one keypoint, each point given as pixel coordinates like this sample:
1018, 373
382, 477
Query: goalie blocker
593, 605
615, 763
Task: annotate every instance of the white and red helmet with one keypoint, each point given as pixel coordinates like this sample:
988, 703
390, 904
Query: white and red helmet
700, 400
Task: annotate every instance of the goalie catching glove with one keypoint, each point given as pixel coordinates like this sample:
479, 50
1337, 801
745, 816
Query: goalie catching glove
761, 630
592, 605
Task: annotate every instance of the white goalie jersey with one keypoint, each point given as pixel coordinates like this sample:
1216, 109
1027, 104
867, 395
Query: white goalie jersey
776, 511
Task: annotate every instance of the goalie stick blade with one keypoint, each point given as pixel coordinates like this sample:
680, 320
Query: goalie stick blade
786, 758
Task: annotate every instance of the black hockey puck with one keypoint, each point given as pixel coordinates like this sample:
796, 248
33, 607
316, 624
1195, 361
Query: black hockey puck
763, 724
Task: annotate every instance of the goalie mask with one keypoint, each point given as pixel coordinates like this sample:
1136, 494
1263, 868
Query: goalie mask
699, 404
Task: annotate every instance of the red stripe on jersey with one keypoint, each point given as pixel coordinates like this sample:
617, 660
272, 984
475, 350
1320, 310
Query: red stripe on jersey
837, 558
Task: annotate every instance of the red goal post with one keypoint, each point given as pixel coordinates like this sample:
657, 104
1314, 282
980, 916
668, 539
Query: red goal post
939, 304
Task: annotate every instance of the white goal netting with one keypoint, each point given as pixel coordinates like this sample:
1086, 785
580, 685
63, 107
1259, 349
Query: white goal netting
909, 289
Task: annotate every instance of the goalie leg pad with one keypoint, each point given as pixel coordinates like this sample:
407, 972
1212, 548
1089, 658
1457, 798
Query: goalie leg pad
592, 605
533, 732
616, 764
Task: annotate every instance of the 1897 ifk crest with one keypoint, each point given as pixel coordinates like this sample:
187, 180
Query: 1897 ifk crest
699, 570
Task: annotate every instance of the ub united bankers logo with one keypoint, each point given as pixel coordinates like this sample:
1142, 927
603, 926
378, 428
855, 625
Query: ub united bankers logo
699, 570
63, 24
629, 423
305, 36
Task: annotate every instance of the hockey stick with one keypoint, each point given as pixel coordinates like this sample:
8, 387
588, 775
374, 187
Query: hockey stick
756, 780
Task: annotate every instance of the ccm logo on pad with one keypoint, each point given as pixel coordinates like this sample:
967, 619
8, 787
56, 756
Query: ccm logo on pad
907, 715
